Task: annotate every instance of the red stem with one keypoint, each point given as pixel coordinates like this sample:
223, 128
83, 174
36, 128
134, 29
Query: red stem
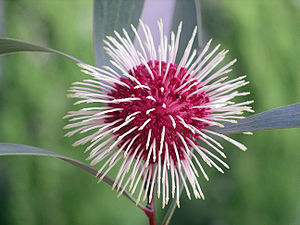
150, 212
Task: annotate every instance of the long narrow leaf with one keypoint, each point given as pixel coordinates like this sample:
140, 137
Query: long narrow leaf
9, 46
110, 15
172, 207
282, 117
186, 11
10, 149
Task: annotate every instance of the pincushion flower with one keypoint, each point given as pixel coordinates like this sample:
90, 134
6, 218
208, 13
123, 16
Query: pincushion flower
150, 115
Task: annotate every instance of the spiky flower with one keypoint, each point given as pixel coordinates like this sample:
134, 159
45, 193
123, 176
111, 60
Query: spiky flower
150, 115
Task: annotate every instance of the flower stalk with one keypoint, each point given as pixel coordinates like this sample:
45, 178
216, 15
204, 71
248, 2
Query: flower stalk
149, 210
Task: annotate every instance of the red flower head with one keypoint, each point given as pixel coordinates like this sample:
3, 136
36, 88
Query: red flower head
152, 115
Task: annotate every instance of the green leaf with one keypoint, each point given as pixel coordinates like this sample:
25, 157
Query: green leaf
9, 46
282, 117
10, 149
110, 15
172, 207
189, 13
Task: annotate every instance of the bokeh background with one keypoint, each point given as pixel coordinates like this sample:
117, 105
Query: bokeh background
263, 184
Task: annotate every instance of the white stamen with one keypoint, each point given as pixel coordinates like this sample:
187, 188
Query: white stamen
151, 98
131, 115
148, 139
142, 86
144, 124
208, 121
177, 155
173, 121
162, 139
158, 176
149, 110
239, 145
130, 144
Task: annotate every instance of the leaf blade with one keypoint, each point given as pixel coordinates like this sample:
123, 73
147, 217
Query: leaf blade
189, 13
11, 46
126, 12
278, 118
12, 149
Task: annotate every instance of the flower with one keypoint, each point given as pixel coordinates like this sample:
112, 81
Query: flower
149, 113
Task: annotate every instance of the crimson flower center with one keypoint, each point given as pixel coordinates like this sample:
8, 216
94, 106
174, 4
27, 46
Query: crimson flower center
159, 112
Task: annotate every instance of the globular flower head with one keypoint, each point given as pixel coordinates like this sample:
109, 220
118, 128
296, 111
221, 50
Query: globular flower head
151, 116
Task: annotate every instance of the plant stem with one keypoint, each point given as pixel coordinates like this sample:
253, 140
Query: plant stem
172, 208
150, 212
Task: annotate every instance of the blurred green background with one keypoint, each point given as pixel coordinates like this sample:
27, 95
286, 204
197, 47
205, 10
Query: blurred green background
263, 184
